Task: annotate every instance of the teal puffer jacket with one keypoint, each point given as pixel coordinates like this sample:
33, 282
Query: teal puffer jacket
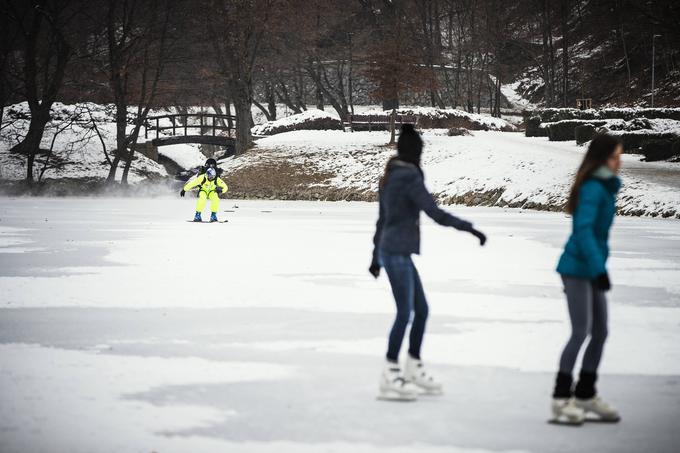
585, 254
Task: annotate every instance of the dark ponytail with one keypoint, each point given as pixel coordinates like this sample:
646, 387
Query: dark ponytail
600, 149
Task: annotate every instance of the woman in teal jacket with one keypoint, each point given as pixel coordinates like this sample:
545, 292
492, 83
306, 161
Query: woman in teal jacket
582, 266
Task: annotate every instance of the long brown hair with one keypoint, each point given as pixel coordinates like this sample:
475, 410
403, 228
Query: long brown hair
600, 149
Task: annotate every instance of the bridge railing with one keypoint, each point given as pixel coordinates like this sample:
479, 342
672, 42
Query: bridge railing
180, 122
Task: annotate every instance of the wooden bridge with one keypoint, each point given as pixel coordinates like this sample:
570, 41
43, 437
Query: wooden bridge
180, 124
178, 128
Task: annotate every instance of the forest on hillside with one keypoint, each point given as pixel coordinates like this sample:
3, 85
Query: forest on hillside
232, 55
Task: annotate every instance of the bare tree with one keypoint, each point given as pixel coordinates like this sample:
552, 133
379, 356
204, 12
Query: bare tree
237, 29
44, 53
135, 49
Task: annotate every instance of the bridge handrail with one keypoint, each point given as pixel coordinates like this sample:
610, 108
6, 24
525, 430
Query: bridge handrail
216, 115
212, 126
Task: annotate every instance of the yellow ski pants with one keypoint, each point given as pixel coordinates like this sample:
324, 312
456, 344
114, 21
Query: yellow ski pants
203, 197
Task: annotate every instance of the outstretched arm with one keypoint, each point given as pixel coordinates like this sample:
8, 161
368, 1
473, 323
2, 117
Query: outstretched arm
424, 200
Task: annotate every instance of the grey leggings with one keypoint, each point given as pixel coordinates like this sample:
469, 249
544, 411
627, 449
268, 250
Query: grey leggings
588, 314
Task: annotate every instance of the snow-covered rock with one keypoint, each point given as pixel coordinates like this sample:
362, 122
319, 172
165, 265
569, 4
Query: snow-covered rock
312, 119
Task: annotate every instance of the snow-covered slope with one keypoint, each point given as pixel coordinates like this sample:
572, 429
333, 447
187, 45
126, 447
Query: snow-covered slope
488, 168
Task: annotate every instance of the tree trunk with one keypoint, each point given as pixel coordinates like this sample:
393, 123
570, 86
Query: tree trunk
30, 145
128, 162
393, 116
242, 105
121, 142
319, 98
565, 52
271, 104
264, 110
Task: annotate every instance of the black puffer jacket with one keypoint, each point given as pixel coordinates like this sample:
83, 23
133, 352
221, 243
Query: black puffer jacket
402, 196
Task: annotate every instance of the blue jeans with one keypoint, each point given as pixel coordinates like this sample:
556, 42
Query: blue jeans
410, 298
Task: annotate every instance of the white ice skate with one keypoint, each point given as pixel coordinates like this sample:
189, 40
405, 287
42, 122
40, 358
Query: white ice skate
394, 387
415, 372
565, 412
602, 411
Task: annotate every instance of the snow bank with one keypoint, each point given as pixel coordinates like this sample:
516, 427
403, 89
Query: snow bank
434, 118
489, 168
186, 156
312, 119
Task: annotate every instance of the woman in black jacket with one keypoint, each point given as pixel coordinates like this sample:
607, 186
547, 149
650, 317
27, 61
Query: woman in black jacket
402, 196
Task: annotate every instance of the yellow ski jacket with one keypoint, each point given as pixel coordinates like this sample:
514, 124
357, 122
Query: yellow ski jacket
205, 185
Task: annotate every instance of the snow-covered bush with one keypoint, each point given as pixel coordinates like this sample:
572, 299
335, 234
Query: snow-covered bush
552, 115
661, 149
308, 120
565, 130
534, 129
584, 133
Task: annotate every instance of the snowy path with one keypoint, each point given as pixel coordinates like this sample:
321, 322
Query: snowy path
112, 338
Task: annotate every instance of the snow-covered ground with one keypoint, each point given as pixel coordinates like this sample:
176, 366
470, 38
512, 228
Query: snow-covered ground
185, 155
497, 167
124, 328
78, 148
291, 122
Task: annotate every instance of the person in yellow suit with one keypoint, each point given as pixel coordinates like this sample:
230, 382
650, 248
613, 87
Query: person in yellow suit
209, 187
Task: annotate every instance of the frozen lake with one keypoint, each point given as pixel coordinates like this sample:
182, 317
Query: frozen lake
125, 328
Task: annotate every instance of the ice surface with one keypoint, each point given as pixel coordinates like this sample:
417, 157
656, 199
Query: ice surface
126, 328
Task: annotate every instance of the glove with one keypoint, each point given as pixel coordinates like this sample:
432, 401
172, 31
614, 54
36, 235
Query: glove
218, 190
181, 193
602, 282
479, 235
374, 269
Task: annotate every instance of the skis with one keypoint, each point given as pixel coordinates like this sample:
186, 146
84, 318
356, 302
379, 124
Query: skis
207, 221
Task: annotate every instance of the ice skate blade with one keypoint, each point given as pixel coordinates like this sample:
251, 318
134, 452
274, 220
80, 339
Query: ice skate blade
394, 396
430, 392
565, 421
595, 419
